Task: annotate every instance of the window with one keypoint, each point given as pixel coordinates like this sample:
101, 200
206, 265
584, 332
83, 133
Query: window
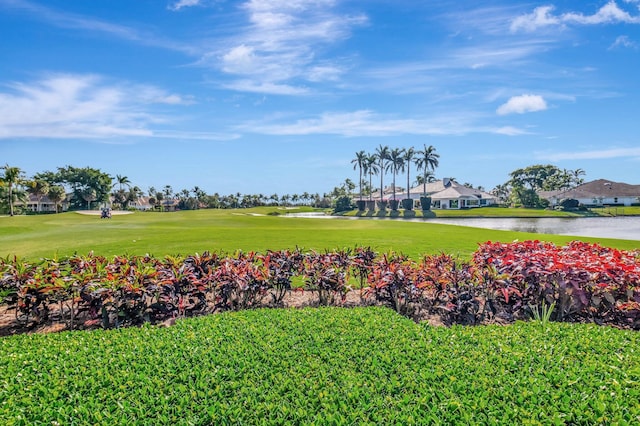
453, 204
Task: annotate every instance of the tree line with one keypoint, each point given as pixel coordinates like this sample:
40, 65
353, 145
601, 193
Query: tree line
84, 188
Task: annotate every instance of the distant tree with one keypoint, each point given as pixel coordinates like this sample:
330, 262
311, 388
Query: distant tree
56, 193
382, 157
396, 163
427, 159
371, 169
577, 180
12, 179
89, 195
133, 195
421, 179
502, 191
408, 158
360, 163
80, 181
122, 181
38, 188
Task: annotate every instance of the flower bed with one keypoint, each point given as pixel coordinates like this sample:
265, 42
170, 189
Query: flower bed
503, 282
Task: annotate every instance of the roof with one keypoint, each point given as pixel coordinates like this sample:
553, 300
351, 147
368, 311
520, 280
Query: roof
595, 189
460, 191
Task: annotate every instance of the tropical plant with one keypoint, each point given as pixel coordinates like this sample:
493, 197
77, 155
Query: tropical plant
382, 158
56, 194
396, 164
408, 158
427, 159
122, 181
360, 163
13, 177
38, 188
371, 169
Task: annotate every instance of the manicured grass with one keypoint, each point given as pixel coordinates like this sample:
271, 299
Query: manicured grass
322, 366
251, 229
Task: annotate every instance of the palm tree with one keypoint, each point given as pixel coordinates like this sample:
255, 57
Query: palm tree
360, 162
396, 163
372, 169
382, 156
427, 159
56, 194
420, 179
408, 158
167, 192
122, 180
13, 177
38, 188
576, 176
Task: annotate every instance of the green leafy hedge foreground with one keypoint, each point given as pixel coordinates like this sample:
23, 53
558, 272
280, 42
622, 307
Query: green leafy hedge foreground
322, 366
579, 282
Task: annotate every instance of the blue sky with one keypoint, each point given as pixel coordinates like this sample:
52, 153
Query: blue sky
265, 96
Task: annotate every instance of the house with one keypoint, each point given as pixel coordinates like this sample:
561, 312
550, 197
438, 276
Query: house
445, 194
596, 193
42, 204
141, 204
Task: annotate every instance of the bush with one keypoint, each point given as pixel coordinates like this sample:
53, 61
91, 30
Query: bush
343, 204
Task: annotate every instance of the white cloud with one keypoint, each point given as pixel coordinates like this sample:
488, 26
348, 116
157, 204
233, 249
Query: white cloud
521, 104
281, 45
87, 23
602, 154
80, 106
266, 88
542, 16
623, 41
367, 123
183, 3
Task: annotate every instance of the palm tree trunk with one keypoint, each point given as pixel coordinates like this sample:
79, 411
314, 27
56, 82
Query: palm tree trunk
10, 199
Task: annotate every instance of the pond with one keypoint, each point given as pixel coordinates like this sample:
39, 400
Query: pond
625, 228
621, 227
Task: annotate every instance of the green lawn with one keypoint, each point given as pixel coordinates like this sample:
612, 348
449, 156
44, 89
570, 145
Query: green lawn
229, 230
324, 366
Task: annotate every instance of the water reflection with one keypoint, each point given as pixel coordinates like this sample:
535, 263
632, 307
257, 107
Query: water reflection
627, 228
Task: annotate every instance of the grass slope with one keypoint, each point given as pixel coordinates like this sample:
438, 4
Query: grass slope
322, 366
229, 230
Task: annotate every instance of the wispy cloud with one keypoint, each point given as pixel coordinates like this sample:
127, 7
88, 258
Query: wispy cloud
521, 104
82, 106
543, 16
623, 42
601, 154
282, 45
84, 23
183, 3
368, 123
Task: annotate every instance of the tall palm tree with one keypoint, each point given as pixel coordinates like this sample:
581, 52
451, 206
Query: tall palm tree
121, 181
359, 162
13, 177
371, 169
408, 158
396, 163
427, 159
382, 157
